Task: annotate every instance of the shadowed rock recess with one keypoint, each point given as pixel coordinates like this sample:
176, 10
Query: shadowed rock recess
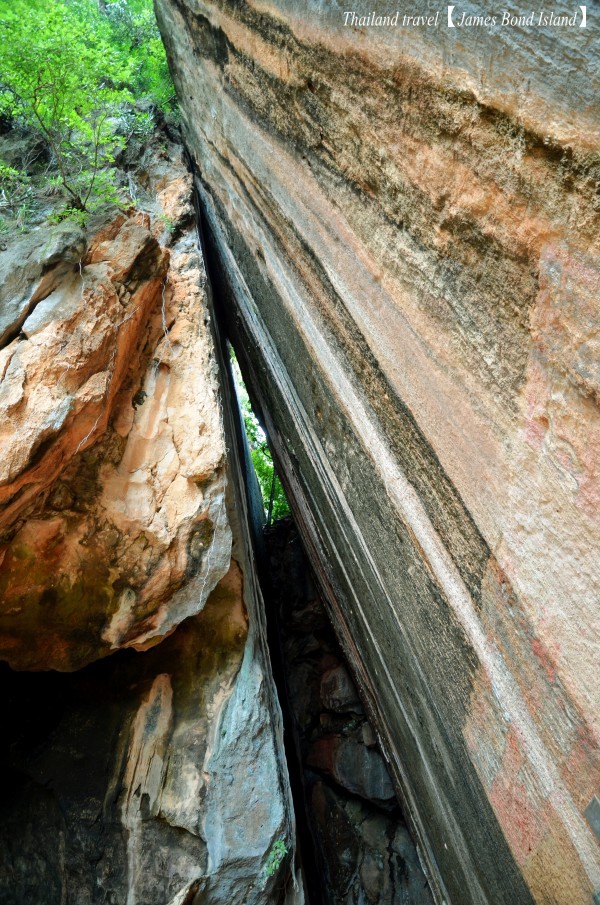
363, 850
403, 233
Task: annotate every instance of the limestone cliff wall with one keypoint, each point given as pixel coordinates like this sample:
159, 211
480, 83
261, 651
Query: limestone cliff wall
154, 776
404, 225
113, 514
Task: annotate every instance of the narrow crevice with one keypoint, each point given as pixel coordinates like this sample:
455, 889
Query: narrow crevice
363, 851
307, 864
353, 842
275, 503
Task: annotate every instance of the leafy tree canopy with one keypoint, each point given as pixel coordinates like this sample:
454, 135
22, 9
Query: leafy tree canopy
69, 69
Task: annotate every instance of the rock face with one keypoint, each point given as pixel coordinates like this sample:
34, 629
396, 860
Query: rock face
112, 453
363, 850
154, 776
145, 777
404, 229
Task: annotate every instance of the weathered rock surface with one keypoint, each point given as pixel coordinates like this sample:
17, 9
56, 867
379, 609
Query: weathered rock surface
147, 776
404, 225
32, 270
353, 766
364, 852
154, 776
338, 691
111, 446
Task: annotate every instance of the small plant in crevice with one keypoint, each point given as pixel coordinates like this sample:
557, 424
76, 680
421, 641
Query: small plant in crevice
278, 852
167, 223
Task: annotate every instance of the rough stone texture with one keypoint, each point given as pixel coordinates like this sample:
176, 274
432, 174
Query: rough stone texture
353, 766
112, 517
338, 691
154, 776
32, 270
405, 228
146, 776
364, 852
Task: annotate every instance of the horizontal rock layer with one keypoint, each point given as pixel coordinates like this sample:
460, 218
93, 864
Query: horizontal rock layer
405, 230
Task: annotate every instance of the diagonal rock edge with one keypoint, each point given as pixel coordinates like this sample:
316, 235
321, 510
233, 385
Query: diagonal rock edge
326, 551
415, 504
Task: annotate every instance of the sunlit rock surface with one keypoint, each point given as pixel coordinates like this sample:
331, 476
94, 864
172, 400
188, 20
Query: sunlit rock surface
404, 227
111, 445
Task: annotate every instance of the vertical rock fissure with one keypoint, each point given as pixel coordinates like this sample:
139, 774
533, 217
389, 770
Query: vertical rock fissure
353, 845
303, 884
309, 865
404, 226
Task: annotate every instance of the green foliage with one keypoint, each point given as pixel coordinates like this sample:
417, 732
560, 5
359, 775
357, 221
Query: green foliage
273, 494
69, 213
276, 855
134, 27
72, 69
55, 78
167, 222
16, 198
137, 123
268, 478
9, 176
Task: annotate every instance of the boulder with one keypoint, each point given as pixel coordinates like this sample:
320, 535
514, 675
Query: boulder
112, 512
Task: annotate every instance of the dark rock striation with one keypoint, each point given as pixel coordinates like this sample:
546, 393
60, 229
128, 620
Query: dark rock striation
403, 227
364, 852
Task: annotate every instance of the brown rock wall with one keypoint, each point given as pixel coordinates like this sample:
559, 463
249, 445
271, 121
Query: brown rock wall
113, 514
405, 229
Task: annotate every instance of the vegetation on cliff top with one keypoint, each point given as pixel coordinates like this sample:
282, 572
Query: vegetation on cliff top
78, 78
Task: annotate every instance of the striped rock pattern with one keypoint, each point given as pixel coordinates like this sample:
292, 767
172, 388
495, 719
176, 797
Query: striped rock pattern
403, 230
